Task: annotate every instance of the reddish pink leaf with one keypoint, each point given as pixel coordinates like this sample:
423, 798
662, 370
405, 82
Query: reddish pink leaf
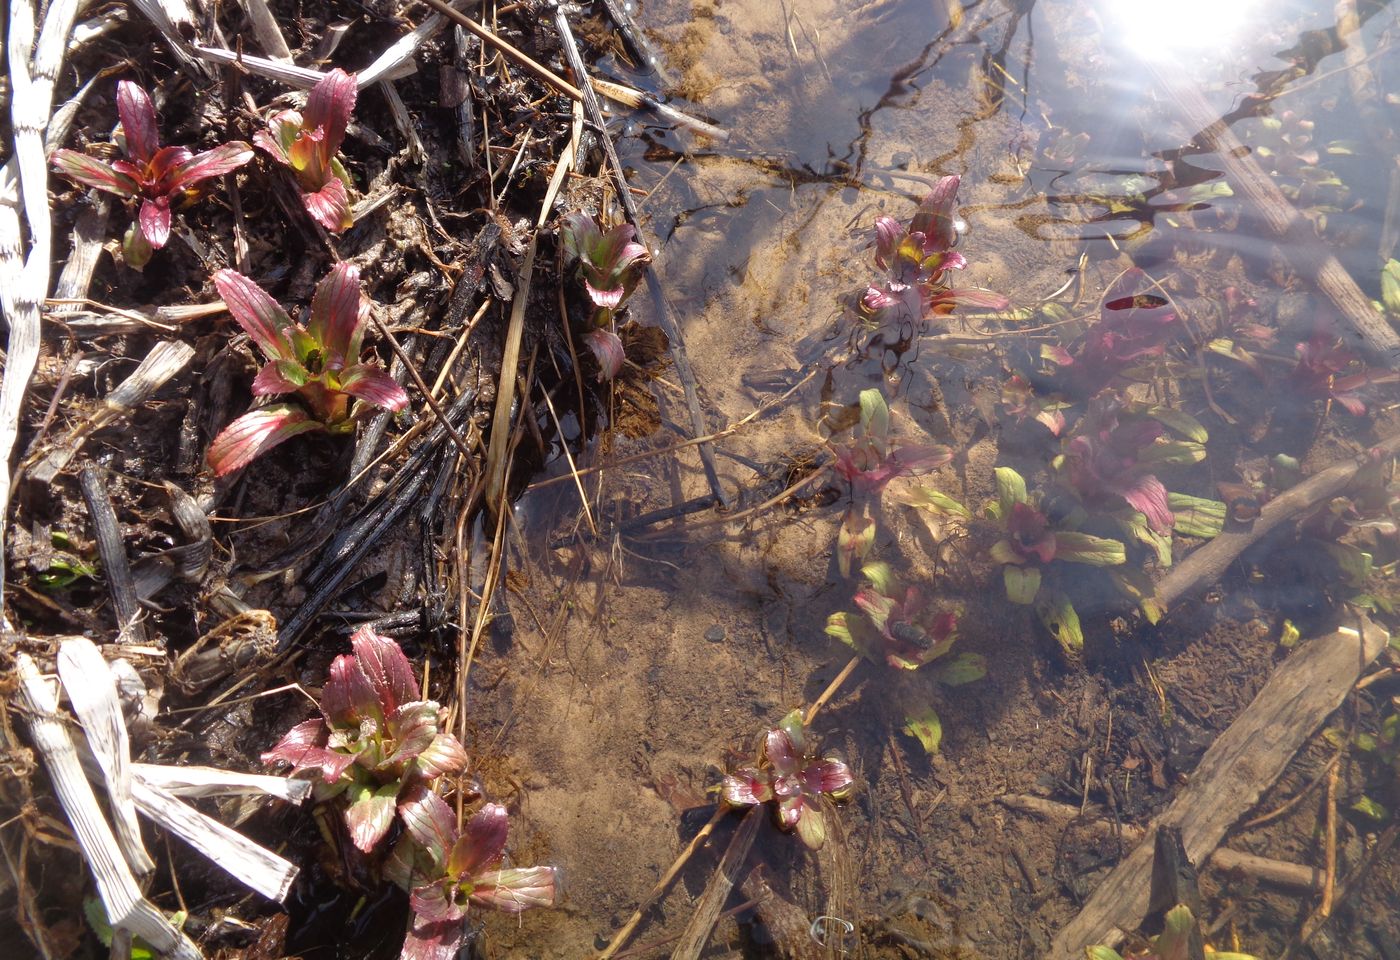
277, 376
973, 297
443, 757
1147, 495
91, 172
517, 890
370, 815
429, 821
826, 776
436, 902
155, 221
482, 843
607, 348
348, 696
428, 940
934, 218
330, 206
387, 669
781, 752
304, 747
413, 726
746, 787
255, 433
329, 106
270, 141
258, 314
138, 117
211, 163
372, 384
156, 176
335, 315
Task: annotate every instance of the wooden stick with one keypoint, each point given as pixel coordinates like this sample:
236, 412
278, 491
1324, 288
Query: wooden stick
111, 549
1298, 240
1209, 562
625, 932
540, 71
722, 881
1242, 763
1280, 872
830, 690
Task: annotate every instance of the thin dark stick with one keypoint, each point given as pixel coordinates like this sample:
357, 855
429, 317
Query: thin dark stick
658, 297
116, 569
423, 388
540, 71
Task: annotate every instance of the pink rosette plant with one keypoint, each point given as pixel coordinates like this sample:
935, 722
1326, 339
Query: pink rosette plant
376, 738
158, 176
791, 777
308, 143
611, 264
447, 872
319, 362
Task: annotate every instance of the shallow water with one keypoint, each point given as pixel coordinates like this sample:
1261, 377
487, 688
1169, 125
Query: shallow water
656, 656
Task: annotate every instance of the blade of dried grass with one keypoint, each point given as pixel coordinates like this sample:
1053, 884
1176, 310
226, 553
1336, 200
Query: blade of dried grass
197, 781
117, 888
93, 694
265, 28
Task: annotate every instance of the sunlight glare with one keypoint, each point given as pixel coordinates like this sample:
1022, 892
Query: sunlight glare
1155, 30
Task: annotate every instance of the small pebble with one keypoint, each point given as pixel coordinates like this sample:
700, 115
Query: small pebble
715, 634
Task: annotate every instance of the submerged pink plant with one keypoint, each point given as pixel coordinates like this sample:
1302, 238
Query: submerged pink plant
308, 143
791, 777
157, 176
318, 361
375, 737
611, 264
446, 872
868, 464
1133, 325
1321, 374
917, 260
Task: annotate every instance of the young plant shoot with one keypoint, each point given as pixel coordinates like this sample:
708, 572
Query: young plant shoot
868, 464
158, 176
375, 739
611, 265
446, 872
791, 777
308, 142
319, 362
916, 260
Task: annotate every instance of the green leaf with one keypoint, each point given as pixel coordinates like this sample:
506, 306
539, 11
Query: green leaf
1390, 286
1060, 618
1180, 421
1134, 524
1011, 489
1355, 563
927, 498
881, 577
1102, 953
1022, 583
1138, 587
875, 417
1289, 635
836, 626
961, 669
1196, 516
1370, 808
1177, 929
925, 727
1174, 452
1088, 549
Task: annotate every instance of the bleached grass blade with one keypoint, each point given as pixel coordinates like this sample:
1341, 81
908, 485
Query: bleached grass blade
93, 693
213, 782
121, 897
259, 869
267, 31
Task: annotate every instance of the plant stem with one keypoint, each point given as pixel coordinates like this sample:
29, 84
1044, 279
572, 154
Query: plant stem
830, 690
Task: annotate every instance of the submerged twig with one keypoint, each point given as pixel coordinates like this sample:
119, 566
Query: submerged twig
722, 881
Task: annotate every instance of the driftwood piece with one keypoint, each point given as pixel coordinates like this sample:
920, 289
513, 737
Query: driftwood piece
1243, 762
1298, 240
1278, 872
121, 897
1208, 563
722, 881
